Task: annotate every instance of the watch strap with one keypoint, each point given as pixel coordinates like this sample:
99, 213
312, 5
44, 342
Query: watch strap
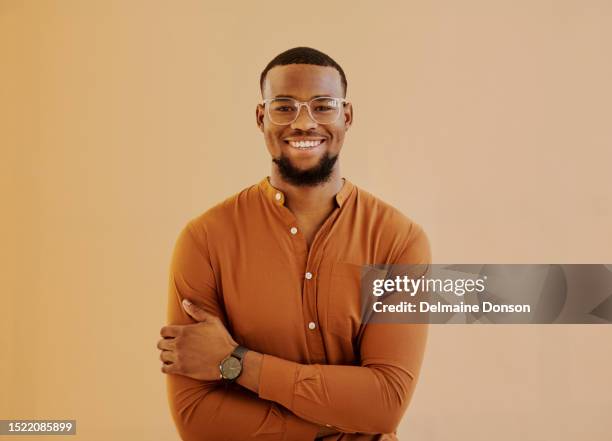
240, 352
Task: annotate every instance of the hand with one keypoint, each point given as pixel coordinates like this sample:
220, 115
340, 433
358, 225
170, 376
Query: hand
195, 350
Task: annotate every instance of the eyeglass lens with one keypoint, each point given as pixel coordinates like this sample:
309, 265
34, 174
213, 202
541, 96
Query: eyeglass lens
322, 110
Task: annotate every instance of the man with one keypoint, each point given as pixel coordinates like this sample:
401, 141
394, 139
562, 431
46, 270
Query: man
264, 339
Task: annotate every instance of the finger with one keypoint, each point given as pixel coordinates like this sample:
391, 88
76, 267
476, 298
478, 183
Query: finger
171, 330
167, 344
170, 368
197, 313
167, 356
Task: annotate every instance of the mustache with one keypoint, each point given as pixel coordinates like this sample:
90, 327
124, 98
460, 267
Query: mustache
302, 133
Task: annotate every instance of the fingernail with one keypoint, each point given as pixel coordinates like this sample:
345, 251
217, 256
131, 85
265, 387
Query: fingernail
186, 302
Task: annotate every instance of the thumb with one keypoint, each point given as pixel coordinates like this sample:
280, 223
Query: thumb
198, 314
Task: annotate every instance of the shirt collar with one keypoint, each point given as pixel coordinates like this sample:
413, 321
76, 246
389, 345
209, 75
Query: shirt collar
276, 196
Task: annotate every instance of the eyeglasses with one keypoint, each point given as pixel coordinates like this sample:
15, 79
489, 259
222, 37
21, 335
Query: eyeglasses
322, 110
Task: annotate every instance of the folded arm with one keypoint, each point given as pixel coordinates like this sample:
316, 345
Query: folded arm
282, 399
214, 409
370, 398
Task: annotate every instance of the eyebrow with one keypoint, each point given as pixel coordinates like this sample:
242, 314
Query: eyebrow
312, 97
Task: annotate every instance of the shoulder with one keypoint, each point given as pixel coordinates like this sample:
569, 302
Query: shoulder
385, 215
223, 215
406, 239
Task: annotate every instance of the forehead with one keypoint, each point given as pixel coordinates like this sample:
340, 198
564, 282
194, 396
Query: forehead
302, 81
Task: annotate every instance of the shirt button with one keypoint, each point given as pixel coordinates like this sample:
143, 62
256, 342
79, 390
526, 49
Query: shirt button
278, 196
311, 325
293, 230
308, 276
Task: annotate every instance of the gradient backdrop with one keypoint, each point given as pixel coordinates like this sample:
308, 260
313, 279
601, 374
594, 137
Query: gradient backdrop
486, 122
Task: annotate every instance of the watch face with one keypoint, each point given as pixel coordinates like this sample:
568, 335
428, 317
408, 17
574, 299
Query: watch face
231, 368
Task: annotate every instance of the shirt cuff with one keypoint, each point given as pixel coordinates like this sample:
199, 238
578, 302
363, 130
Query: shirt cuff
277, 380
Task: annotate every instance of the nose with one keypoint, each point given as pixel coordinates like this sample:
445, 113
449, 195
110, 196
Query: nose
303, 120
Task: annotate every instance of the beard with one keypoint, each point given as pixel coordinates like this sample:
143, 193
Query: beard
310, 177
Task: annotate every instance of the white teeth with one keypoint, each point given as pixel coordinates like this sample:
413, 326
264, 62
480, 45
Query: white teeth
305, 144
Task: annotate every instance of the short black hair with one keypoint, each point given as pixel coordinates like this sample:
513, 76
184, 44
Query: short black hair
303, 55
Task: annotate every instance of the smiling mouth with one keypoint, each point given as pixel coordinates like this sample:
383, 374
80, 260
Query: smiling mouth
305, 145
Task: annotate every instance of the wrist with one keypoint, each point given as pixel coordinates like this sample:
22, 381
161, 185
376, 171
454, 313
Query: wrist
230, 368
230, 350
251, 369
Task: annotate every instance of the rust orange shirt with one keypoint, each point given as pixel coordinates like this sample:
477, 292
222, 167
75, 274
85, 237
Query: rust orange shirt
246, 261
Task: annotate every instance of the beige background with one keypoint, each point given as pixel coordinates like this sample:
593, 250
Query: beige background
486, 122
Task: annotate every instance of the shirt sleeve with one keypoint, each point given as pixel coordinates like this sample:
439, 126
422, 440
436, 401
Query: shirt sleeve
213, 409
371, 397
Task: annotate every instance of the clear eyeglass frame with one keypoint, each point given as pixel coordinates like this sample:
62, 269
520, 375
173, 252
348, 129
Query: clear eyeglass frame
299, 105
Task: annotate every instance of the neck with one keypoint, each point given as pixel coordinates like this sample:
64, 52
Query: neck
306, 199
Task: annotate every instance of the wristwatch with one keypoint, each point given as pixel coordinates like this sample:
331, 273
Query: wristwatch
231, 366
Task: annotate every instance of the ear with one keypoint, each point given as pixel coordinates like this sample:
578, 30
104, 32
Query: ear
259, 116
348, 115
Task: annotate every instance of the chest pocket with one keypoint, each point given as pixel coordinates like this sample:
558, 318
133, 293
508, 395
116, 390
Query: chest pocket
345, 299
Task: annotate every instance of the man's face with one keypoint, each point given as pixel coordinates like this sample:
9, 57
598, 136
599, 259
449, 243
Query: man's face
304, 166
